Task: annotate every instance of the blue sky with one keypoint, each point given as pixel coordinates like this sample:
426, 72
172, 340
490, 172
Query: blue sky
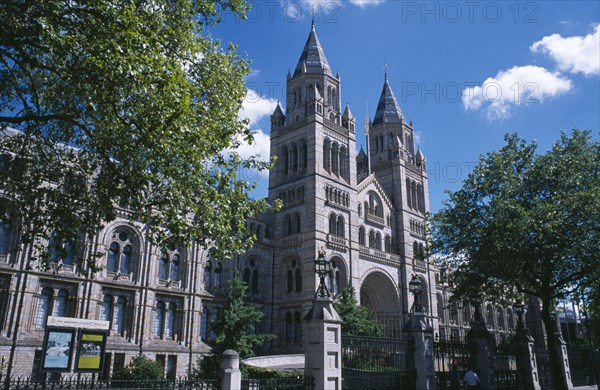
465, 72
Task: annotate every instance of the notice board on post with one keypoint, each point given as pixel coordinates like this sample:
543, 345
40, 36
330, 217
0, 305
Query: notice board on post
91, 348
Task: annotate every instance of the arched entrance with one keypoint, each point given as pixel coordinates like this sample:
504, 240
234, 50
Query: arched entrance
379, 293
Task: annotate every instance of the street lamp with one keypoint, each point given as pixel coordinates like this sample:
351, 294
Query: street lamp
415, 287
322, 267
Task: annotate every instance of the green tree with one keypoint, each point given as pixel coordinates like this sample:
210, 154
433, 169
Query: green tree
235, 329
143, 371
358, 320
526, 223
123, 102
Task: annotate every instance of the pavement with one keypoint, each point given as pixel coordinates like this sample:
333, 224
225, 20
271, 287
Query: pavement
586, 388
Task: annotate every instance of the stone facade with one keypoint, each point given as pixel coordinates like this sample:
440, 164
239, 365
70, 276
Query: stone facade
366, 210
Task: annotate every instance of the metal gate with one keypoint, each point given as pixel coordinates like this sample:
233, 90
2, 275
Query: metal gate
372, 363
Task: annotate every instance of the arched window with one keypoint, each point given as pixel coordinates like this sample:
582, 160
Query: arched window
361, 235
113, 254
106, 309
251, 275
378, 241
60, 305
440, 309
489, 316
304, 156
204, 323
294, 158
297, 327
175, 267
125, 266
298, 280
285, 160
217, 276
416, 251
119, 316
121, 252
467, 314
159, 319
511, 319
408, 194
43, 307
371, 239
163, 266
170, 321
500, 318
6, 235
298, 224
388, 244
207, 275
332, 224
327, 155
290, 281
340, 228
289, 330
335, 158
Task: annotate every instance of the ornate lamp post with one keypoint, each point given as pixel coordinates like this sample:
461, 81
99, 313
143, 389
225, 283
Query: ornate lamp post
322, 267
415, 287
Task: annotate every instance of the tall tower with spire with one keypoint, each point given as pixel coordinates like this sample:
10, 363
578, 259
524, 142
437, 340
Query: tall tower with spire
366, 210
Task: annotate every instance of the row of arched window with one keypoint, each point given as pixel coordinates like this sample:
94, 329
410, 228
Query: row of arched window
292, 224
212, 274
294, 158
250, 275
52, 302
114, 310
336, 159
337, 225
417, 227
496, 318
337, 196
415, 195
375, 240
165, 324
292, 195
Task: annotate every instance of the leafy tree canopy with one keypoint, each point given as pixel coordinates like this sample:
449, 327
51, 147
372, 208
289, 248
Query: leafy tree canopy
526, 223
233, 328
123, 102
358, 320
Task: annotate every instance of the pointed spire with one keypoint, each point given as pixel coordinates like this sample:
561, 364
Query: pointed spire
388, 110
278, 113
420, 156
313, 57
347, 113
316, 94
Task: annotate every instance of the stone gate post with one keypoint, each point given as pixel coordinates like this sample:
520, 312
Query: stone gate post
230, 367
526, 363
482, 345
422, 333
323, 345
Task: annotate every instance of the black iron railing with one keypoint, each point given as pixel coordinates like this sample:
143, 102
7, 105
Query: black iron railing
73, 382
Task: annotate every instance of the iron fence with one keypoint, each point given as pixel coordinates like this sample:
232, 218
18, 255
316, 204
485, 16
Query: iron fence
377, 363
542, 357
300, 383
505, 366
452, 360
89, 383
583, 365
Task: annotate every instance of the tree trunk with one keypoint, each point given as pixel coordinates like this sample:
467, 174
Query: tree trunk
558, 373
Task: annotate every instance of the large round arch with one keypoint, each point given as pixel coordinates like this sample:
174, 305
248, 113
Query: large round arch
380, 294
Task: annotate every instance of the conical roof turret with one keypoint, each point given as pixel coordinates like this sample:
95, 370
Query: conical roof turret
347, 113
313, 58
388, 110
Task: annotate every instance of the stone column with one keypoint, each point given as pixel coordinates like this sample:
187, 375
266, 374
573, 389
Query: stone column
482, 344
323, 345
526, 363
230, 369
422, 333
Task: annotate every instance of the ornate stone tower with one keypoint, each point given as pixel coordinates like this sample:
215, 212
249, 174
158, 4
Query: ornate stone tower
366, 211
314, 176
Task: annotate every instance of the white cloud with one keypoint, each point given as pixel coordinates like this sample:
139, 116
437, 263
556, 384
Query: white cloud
578, 54
498, 95
366, 3
256, 107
